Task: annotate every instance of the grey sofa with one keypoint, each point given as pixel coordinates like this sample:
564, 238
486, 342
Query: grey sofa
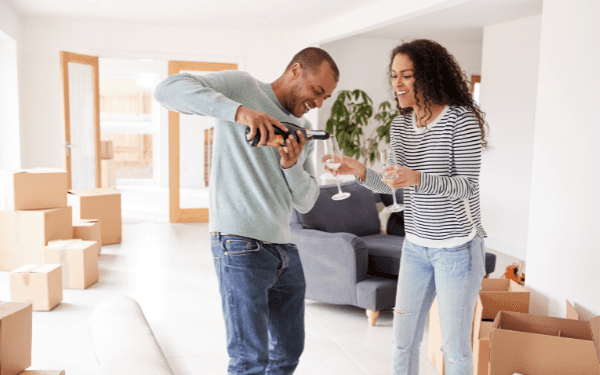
346, 259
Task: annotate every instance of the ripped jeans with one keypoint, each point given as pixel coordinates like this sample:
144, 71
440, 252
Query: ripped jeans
455, 275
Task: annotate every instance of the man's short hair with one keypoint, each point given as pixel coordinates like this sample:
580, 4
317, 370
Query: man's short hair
311, 58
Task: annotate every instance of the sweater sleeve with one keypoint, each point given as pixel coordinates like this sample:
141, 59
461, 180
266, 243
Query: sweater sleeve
463, 181
198, 95
302, 180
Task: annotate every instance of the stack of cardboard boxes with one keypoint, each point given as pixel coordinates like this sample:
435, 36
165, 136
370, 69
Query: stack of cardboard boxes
108, 165
50, 239
508, 340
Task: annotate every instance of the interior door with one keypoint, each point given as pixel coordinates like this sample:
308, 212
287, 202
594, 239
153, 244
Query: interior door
188, 201
81, 114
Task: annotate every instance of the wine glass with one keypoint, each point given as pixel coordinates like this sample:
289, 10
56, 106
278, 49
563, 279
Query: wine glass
389, 161
332, 148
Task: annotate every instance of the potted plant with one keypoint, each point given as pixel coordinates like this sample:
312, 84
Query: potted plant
351, 113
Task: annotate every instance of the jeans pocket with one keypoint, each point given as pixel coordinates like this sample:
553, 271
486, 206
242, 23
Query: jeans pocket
240, 246
463, 247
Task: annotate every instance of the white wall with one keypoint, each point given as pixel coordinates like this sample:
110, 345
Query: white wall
364, 64
45, 37
509, 76
10, 133
563, 247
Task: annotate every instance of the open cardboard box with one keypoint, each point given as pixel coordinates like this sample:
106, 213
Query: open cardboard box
495, 295
541, 345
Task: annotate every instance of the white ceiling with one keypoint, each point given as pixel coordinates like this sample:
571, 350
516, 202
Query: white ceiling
460, 23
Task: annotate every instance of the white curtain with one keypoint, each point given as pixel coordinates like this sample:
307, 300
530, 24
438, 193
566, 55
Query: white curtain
81, 110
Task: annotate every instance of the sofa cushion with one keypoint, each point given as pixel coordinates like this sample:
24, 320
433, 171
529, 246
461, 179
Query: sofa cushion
357, 214
384, 254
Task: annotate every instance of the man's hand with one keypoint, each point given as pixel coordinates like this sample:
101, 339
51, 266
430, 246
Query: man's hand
258, 121
291, 151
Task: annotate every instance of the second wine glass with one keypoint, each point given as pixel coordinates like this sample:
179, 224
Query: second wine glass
389, 160
332, 148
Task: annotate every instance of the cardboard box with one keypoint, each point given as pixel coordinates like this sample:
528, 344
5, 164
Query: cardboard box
481, 340
103, 204
109, 173
79, 261
23, 234
33, 189
495, 295
15, 337
88, 230
106, 150
40, 285
503, 294
42, 372
536, 345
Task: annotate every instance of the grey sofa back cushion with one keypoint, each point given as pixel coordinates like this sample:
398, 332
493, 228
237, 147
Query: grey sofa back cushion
357, 214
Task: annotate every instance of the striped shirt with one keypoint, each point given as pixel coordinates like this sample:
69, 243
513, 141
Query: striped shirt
444, 210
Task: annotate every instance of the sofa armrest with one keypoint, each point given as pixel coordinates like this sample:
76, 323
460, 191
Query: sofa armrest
333, 264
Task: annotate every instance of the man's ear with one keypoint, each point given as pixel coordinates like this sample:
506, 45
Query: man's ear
296, 70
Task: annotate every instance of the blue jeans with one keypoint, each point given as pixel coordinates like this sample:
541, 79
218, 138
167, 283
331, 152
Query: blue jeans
455, 274
262, 293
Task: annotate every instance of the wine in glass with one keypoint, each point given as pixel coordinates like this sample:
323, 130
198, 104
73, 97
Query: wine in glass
389, 160
332, 148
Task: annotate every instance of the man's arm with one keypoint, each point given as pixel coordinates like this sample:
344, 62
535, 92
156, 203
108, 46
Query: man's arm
209, 95
197, 95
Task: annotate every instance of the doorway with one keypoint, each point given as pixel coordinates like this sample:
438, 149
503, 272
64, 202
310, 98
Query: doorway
130, 132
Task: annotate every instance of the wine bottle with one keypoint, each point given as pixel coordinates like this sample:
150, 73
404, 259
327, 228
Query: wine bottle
281, 135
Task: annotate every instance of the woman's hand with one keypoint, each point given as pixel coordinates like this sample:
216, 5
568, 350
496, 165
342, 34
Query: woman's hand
398, 177
349, 166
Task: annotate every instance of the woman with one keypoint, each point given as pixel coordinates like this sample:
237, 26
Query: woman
436, 146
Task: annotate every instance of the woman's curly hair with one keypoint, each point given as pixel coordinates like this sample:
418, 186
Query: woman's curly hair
439, 77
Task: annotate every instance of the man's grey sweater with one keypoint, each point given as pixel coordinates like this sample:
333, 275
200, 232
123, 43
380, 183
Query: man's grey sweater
250, 194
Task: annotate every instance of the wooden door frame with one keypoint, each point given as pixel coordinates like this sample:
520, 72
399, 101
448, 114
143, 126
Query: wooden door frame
475, 78
65, 59
176, 213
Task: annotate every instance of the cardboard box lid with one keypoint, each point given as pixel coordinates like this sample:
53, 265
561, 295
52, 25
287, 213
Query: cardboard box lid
94, 192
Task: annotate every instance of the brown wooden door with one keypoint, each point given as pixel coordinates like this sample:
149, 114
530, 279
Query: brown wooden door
81, 115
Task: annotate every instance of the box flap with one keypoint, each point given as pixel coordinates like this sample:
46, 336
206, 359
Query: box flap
485, 331
595, 329
571, 312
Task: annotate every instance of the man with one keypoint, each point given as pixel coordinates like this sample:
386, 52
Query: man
253, 192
